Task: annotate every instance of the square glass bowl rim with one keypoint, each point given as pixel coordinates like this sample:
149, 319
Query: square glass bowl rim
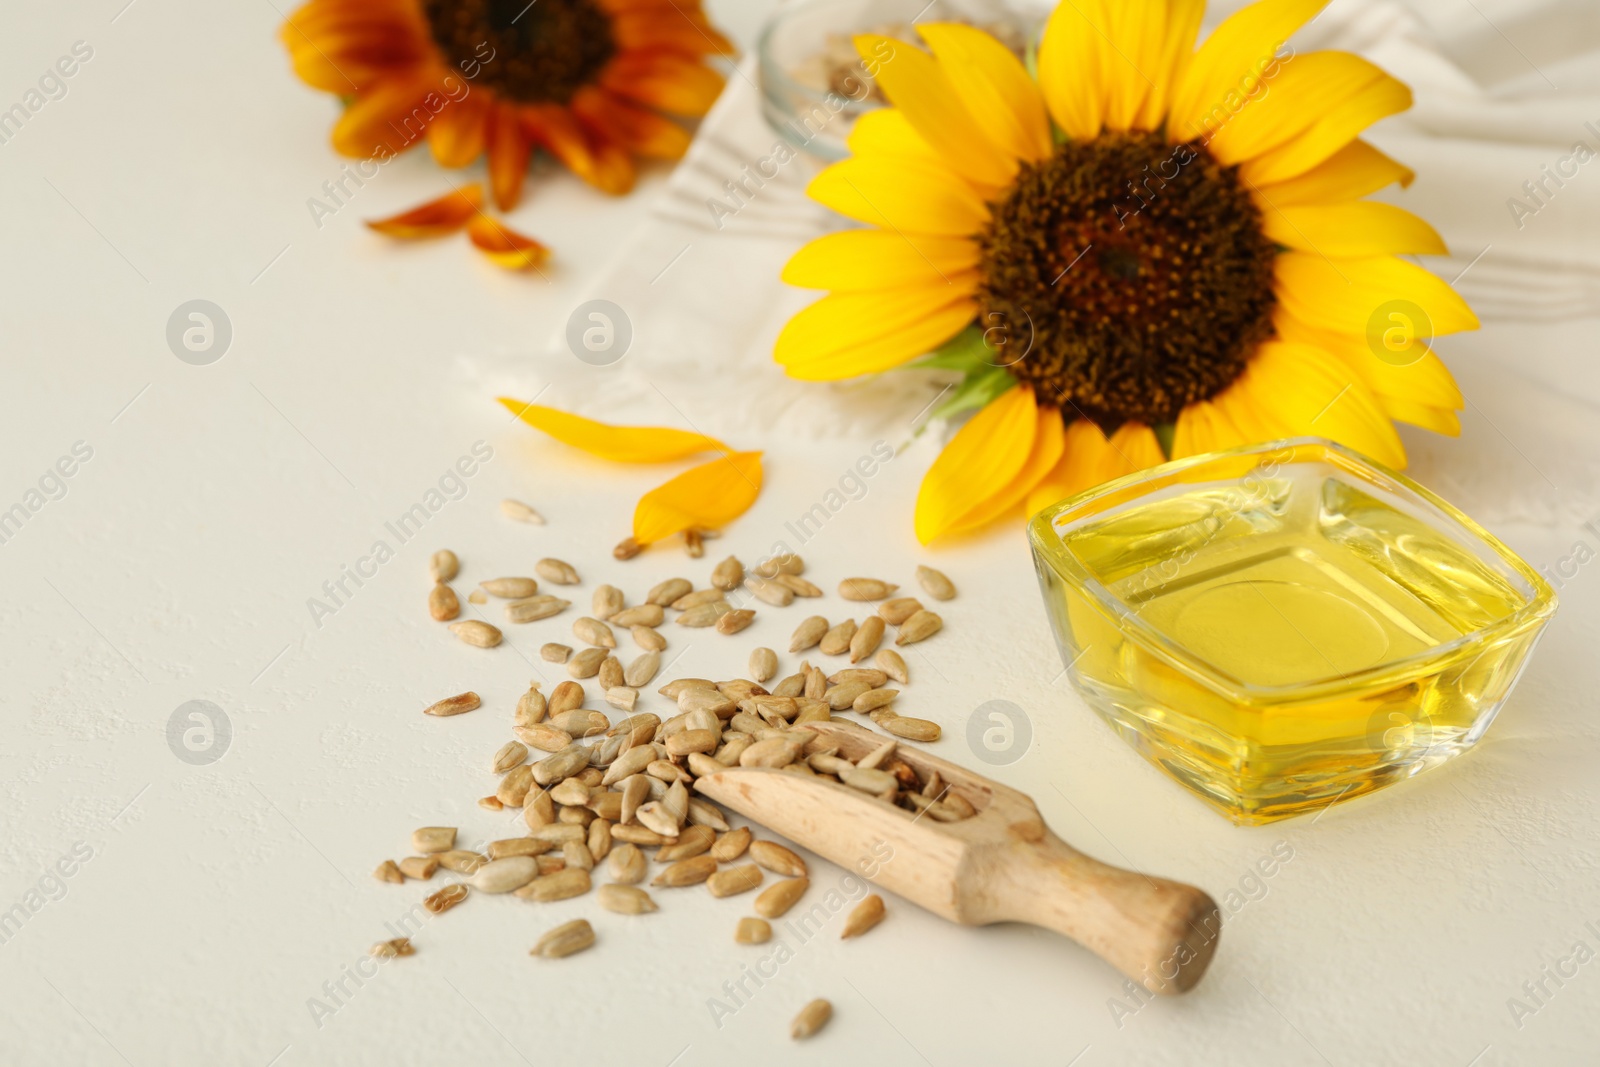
1048, 545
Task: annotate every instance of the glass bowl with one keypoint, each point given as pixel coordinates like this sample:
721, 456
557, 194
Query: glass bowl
814, 86
1282, 626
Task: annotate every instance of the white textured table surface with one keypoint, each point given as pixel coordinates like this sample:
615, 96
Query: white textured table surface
214, 913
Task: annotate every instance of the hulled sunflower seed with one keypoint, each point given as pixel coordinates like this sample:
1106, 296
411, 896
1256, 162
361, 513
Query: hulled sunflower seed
731, 845
865, 589
393, 948
876, 758
792, 686
837, 640
921, 626
518, 846
910, 729
639, 615
443, 566
555, 570
864, 642
892, 664
462, 860
560, 885
869, 780
431, 839
697, 699
420, 868
733, 621
844, 694
538, 811
870, 675
477, 633
626, 864
896, 611
504, 875
696, 598
586, 664
442, 603
935, 584
607, 601
664, 593
734, 880
816, 682
752, 931
798, 585
642, 670
510, 588
959, 804
477, 596
691, 871
648, 639
693, 841
763, 664
812, 1017
577, 856
565, 940
388, 871
865, 916
779, 897
777, 859
655, 817
769, 592
593, 632
509, 755
456, 705
627, 548
728, 574
563, 764
808, 633
771, 752
625, 899
783, 563
681, 744
551, 652
705, 813
445, 899
514, 787
873, 699
638, 835
564, 698
535, 608
517, 511
622, 697
543, 736
610, 673
704, 614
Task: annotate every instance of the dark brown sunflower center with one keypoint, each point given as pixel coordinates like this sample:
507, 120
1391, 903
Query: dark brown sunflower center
1137, 270
533, 51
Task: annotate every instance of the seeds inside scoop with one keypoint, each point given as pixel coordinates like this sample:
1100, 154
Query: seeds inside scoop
812, 1017
564, 940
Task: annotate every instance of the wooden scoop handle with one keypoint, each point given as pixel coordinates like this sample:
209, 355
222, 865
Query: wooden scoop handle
1158, 932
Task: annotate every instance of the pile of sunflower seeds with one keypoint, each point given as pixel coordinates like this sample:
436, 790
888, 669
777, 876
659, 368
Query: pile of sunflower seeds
599, 791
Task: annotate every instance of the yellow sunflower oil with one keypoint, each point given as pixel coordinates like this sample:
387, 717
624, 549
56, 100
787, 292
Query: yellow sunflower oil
1305, 631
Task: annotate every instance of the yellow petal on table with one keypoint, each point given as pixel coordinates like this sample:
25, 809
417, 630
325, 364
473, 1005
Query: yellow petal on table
1406, 370
620, 444
436, 218
1069, 71
1180, 23
1346, 295
879, 259
984, 454
916, 84
1202, 427
993, 83
847, 334
1300, 93
1353, 228
708, 496
1335, 129
504, 246
1048, 440
1349, 174
1231, 63
900, 195
1291, 390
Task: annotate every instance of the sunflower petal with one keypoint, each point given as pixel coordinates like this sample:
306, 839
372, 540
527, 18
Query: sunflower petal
1419, 377
1232, 61
644, 132
458, 132
1179, 27
1335, 129
1068, 65
436, 218
844, 335
1349, 174
1301, 92
885, 131
1204, 427
1048, 440
917, 85
1344, 296
988, 451
370, 125
509, 149
1292, 390
674, 82
901, 196
1353, 228
620, 444
992, 82
1088, 458
879, 259
504, 246
1439, 420
708, 496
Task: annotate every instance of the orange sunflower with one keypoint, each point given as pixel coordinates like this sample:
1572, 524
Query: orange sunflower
1143, 250
593, 82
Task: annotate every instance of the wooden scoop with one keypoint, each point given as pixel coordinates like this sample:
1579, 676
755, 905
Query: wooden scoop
1002, 864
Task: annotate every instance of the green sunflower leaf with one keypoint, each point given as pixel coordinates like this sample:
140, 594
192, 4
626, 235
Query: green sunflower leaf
975, 391
966, 352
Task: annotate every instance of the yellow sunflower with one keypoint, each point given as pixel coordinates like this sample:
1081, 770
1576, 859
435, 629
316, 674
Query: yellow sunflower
587, 80
1144, 250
